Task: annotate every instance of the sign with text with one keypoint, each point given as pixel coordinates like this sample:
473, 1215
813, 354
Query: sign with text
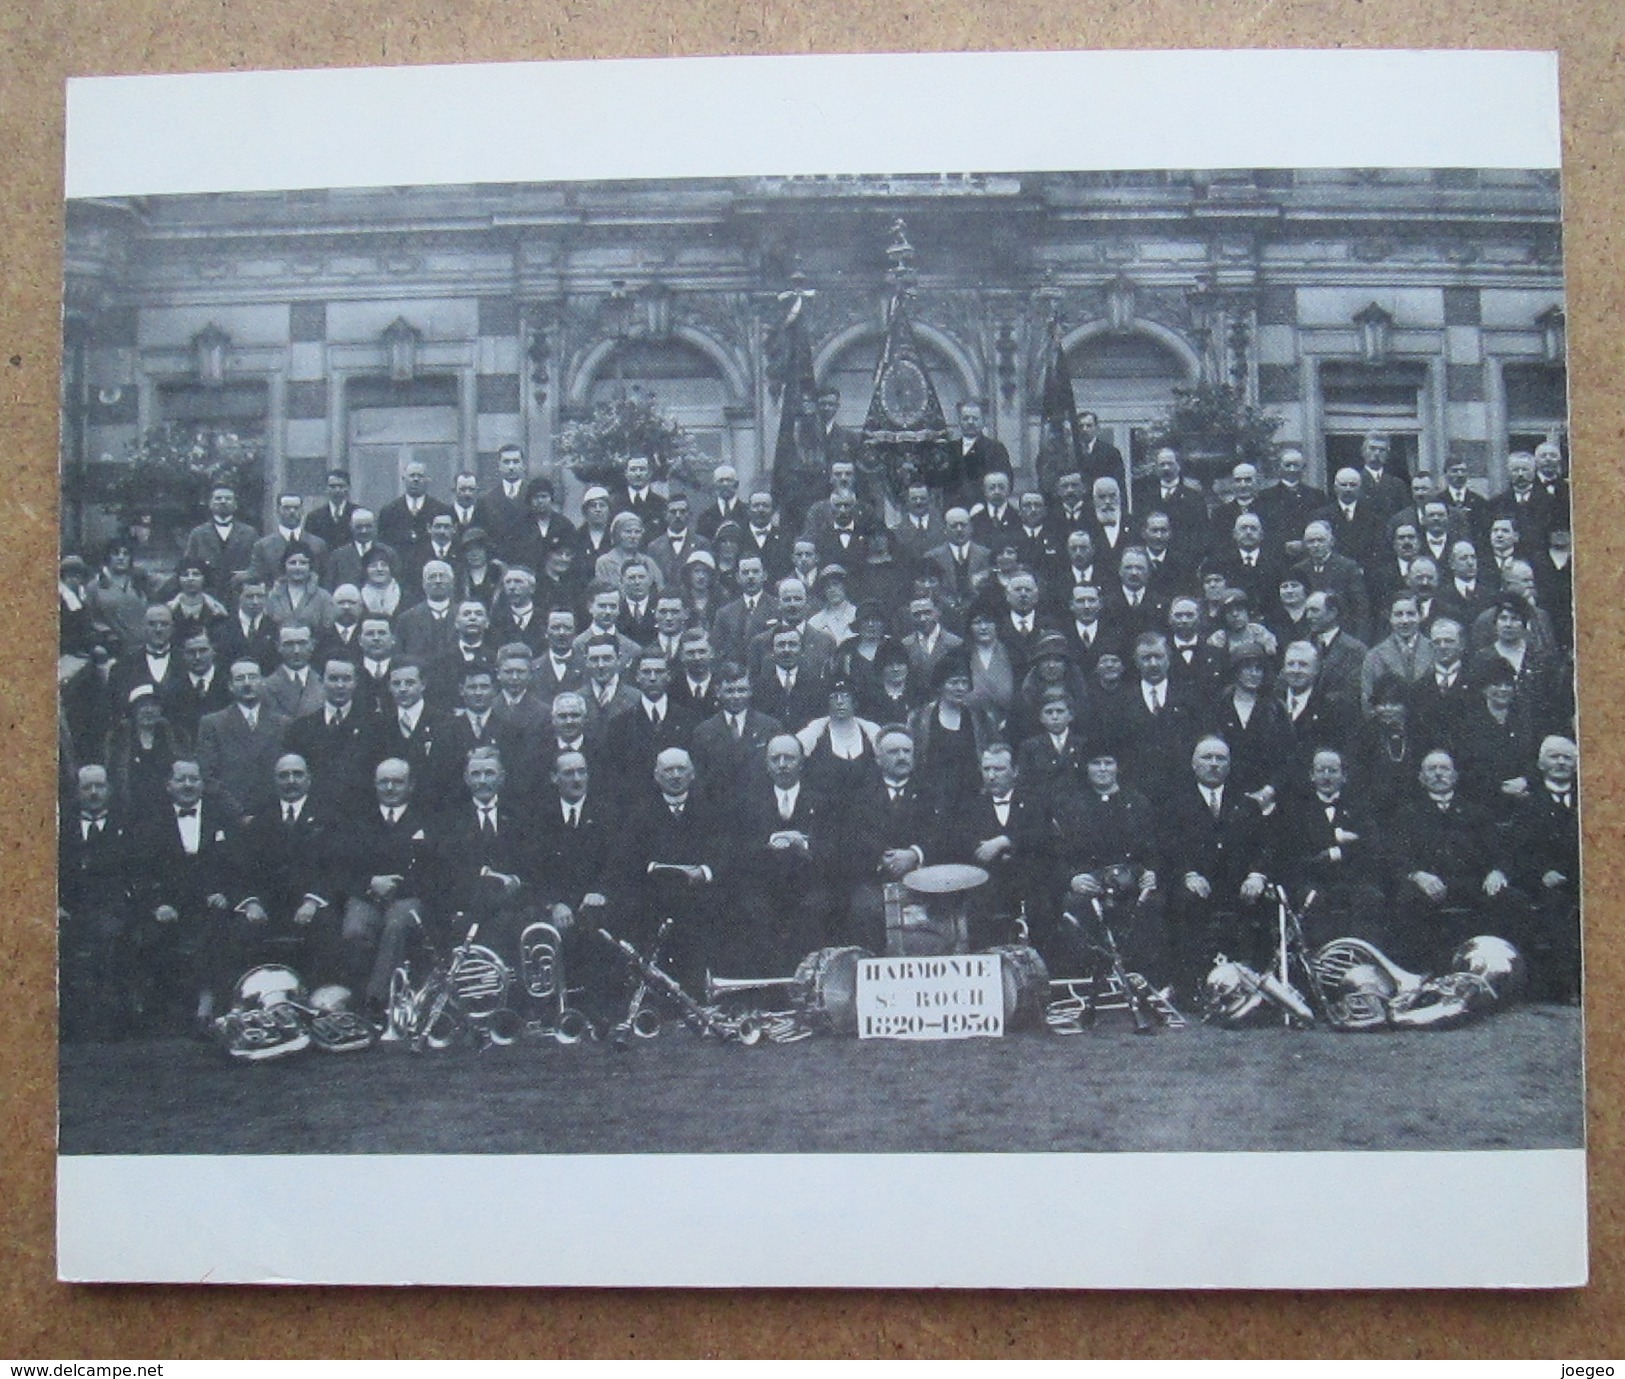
931, 998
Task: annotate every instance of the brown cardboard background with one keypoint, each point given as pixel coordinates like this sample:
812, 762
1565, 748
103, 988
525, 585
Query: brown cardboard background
42, 45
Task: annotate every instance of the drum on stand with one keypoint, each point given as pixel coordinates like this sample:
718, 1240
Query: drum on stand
927, 913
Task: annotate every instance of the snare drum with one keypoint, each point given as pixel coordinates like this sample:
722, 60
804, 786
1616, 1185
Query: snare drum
827, 988
1026, 984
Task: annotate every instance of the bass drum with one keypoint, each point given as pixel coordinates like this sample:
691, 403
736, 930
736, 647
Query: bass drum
1026, 984
827, 988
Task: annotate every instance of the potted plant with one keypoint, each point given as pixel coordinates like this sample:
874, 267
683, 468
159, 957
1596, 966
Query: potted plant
597, 448
1214, 428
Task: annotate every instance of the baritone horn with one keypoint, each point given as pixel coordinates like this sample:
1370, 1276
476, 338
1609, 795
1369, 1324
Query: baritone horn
542, 975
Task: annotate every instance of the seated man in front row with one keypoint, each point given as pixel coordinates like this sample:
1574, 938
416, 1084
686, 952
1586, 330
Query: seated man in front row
1003, 831
1106, 854
892, 828
384, 856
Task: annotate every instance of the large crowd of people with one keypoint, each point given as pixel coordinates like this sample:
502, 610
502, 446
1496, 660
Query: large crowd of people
358, 733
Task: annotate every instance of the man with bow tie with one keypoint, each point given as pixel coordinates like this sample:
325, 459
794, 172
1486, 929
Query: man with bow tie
1003, 830
1331, 846
185, 872
95, 866
226, 544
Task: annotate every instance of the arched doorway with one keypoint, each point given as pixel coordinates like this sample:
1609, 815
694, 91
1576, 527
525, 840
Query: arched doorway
685, 383
1128, 381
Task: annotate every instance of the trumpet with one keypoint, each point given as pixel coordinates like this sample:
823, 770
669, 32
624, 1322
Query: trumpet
718, 987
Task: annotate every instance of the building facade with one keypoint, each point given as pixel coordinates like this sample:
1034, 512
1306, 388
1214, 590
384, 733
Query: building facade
362, 328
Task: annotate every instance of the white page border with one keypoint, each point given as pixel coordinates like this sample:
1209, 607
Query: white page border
760, 116
1390, 1220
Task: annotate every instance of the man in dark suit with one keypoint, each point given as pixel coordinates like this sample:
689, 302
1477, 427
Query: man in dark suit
1130, 605
95, 866
237, 747
187, 853
1159, 722
248, 632
1217, 862
729, 746
606, 692
1288, 504
675, 542
1019, 628
197, 689
787, 687
428, 629
693, 679
724, 506
557, 666
1381, 489
1323, 568
1546, 824
465, 501
1464, 501
331, 522
578, 842
382, 866
781, 898
1248, 564
1171, 571
929, 642
671, 866
920, 528
1168, 491
637, 496
1100, 458
636, 738
287, 898
442, 546
763, 534
1003, 830
1342, 655
518, 618
472, 723
570, 729
994, 519
961, 563
1467, 591
1442, 700
407, 730
484, 860
339, 741
1316, 715
747, 616
293, 689
154, 662
266, 557
1445, 876
1096, 824
979, 455
1330, 845
378, 650
891, 829
1356, 524
1190, 658
404, 522
523, 718
1525, 502
844, 539
503, 511
347, 563
226, 544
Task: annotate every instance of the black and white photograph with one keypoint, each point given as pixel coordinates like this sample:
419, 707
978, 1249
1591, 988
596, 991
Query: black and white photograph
983, 662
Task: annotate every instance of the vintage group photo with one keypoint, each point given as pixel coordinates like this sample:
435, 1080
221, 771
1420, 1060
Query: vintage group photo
1058, 661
